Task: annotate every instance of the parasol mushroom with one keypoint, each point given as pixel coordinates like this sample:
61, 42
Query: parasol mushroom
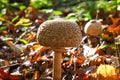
58, 34
93, 28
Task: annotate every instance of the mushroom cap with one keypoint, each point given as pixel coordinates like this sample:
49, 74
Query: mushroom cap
59, 33
93, 27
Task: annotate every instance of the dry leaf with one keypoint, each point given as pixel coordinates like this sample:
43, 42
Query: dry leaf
36, 75
105, 72
7, 76
35, 56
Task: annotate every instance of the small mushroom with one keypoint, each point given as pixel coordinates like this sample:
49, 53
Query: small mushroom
93, 28
58, 34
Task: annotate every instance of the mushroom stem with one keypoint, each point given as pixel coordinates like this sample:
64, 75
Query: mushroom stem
57, 64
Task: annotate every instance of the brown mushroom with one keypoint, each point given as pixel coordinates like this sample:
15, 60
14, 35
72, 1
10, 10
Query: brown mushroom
93, 28
58, 34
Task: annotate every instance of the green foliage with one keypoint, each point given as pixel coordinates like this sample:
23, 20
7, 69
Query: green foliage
40, 3
18, 6
23, 41
23, 22
79, 9
4, 1
52, 11
118, 1
15, 18
3, 27
106, 46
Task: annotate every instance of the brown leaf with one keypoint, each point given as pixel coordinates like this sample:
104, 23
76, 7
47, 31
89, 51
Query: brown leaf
36, 75
7, 76
114, 25
117, 30
35, 56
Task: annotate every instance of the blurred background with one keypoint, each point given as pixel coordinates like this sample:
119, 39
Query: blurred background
69, 9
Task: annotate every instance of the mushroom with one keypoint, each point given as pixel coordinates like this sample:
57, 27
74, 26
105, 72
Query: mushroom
93, 28
58, 34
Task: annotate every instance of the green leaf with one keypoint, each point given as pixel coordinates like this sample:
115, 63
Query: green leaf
26, 20
103, 47
39, 3
46, 10
3, 28
22, 7
4, 1
71, 15
87, 16
118, 1
71, 18
57, 12
15, 18
26, 24
109, 45
23, 41
22, 21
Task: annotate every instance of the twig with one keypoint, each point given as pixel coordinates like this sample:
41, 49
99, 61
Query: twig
97, 15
